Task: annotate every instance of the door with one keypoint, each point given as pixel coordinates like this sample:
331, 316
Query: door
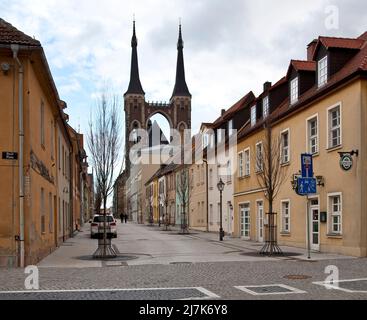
260, 221
315, 225
229, 218
245, 221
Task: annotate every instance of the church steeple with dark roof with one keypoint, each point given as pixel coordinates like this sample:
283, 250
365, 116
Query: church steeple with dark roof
181, 88
135, 86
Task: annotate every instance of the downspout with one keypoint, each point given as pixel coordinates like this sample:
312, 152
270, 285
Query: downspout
15, 49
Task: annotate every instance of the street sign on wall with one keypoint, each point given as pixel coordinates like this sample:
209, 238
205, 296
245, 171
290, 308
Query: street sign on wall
10, 156
307, 165
307, 186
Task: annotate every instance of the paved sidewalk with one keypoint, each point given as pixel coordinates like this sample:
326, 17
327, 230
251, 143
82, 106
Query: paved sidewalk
139, 245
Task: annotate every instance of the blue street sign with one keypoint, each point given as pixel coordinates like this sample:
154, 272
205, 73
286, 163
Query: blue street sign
307, 165
307, 186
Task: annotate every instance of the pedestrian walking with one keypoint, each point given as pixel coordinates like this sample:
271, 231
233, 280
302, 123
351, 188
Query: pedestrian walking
126, 216
122, 218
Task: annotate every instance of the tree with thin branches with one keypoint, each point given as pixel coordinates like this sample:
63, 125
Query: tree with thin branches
271, 175
183, 189
104, 145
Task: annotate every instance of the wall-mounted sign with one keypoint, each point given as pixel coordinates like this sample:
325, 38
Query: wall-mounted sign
307, 165
346, 162
307, 186
10, 156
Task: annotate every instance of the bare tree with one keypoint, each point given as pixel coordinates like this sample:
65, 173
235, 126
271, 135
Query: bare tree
104, 144
183, 189
271, 176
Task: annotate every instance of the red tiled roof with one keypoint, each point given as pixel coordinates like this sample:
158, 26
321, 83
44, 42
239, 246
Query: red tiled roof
11, 35
356, 64
304, 65
343, 43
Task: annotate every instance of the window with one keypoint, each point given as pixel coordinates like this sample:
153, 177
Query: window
259, 158
334, 127
42, 124
294, 91
266, 109
313, 135
59, 153
286, 217
51, 214
211, 179
322, 72
211, 217
219, 136
240, 165
52, 141
247, 163
229, 172
230, 127
253, 116
63, 161
285, 147
43, 217
335, 209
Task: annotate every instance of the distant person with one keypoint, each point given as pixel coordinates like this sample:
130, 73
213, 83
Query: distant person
126, 217
122, 217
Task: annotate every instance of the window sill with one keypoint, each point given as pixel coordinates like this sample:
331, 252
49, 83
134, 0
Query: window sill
315, 155
334, 148
285, 234
285, 164
334, 236
244, 177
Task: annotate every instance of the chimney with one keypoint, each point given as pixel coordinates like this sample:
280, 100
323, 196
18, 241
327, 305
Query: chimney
267, 86
311, 49
223, 112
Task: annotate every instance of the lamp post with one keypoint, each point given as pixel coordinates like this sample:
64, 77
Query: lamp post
221, 188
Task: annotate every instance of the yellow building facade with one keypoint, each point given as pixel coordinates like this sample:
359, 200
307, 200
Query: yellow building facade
327, 122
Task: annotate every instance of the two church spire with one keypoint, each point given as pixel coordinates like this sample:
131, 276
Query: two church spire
135, 86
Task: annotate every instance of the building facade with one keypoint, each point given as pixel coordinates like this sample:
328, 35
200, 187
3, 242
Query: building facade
323, 114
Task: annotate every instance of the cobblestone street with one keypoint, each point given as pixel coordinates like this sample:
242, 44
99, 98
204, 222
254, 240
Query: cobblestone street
155, 264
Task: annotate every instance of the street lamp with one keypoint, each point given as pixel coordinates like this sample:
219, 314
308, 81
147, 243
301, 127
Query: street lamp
221, 186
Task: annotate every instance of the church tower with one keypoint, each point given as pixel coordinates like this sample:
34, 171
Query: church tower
138, 111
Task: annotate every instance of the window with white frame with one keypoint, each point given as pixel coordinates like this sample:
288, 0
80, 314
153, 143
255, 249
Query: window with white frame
240, 165
294, 90
230, 127
285, 147
219, 136
335, 209
259, 157
286, 217
335, 130
245, 223
322, 71
211, 179
266, 107
253, 116
313, 135
247, 160
229, 172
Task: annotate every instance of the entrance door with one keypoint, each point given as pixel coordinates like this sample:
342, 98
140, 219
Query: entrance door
229, 218
315, 224
260, 221
245, 221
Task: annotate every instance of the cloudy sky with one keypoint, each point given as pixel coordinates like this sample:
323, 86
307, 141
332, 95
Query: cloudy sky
231, 47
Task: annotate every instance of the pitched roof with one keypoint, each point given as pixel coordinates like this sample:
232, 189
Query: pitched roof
358, 63
11, 35
304, 65
250, 97
343, 43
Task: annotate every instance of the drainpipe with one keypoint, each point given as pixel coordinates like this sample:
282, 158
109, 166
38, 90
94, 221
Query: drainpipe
15, 49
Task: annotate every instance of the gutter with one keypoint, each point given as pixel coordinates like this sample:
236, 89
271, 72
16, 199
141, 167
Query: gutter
15, 49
